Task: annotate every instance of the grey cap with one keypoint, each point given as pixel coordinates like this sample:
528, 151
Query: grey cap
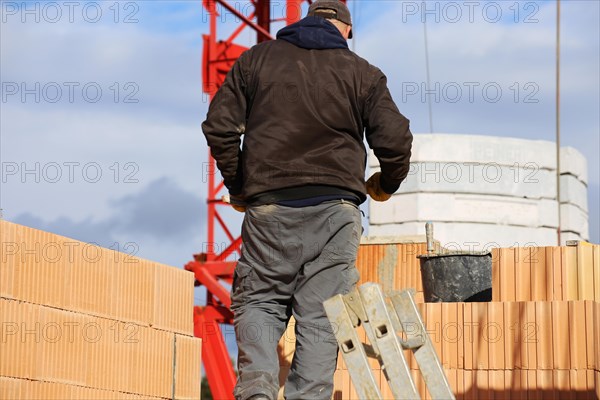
341, 11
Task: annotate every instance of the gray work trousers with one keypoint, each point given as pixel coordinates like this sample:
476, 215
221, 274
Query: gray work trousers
292, 260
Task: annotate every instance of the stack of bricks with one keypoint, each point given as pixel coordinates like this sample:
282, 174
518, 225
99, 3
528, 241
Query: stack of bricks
547, 273
83, 322
539, 338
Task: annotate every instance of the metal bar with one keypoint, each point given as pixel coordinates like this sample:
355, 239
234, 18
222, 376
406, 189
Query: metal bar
206, 278
220, 269
235, 246
210, 246
352, 349
210, 249
223, 58
220, 186
245, 19
212, 10
263, 19
220, 314
239, 30
224, 227
215, 356
214, 187
218, 201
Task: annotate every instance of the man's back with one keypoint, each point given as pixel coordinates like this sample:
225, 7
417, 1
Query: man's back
308, 101
306, 117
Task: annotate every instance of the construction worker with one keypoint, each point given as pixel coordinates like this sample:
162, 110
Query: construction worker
304, 104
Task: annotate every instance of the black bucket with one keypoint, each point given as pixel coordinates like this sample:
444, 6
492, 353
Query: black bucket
457, 277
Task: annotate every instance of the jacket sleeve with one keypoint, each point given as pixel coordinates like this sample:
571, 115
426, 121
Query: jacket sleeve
225, 124
388, 134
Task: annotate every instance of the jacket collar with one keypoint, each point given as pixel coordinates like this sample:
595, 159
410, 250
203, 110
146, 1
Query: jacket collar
313, 33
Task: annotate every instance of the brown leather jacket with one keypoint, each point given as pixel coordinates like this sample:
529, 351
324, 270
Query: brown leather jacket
304, 104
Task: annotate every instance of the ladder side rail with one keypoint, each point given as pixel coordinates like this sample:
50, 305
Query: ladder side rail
352, 349
425, 355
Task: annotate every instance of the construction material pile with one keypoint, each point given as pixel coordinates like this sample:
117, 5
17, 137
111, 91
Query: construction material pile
83, 322
538, 338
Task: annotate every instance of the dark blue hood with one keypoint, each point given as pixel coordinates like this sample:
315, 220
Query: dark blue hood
313, 33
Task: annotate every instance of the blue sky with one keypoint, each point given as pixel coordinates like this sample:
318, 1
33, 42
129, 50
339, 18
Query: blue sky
143, 133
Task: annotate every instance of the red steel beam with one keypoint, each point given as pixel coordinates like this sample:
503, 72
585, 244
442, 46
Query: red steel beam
293, 11
239, 30
263, 18
235, 245
259, 5
221, 270
208, 279
218, 370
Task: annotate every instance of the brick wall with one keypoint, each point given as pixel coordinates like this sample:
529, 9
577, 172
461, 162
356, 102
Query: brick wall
78, 321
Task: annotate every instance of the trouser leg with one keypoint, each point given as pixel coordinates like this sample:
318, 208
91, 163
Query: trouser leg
257, 332
335, 229
264, 281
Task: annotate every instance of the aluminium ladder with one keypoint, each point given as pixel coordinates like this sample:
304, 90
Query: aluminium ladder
385, 317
